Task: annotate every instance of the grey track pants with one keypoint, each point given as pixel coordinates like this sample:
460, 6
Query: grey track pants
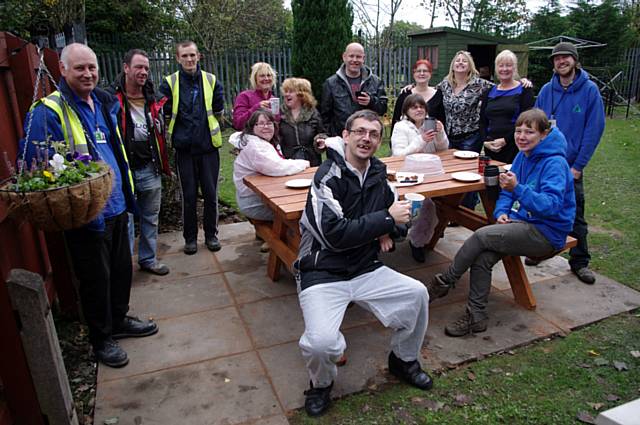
398, 301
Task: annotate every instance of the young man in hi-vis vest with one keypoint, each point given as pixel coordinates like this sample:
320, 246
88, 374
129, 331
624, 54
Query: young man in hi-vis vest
195, 103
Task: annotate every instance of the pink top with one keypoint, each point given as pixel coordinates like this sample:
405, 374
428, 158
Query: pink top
247, 102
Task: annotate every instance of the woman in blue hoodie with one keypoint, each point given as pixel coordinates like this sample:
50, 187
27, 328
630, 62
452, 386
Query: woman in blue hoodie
534, 215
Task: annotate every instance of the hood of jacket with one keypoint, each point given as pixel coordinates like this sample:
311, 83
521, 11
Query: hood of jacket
365, 73
554, 144
579, 80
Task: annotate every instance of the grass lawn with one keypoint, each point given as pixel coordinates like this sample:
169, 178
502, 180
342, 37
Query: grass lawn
553, 381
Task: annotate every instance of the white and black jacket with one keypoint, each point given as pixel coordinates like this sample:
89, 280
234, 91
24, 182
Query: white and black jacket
343, 219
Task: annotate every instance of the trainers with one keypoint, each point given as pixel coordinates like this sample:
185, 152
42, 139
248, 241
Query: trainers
409, 372
132, 327
530, 261
585, 275
213, 244
438, 287
157, 268
417, 253
317, 400
109, 353
465, 325
190, 248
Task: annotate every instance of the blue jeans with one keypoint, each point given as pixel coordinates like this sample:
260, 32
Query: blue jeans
472, 142
148, 186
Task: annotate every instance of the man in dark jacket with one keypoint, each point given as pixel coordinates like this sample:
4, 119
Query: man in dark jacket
140, 122
353, 87
350, 214
100, 250
195, 102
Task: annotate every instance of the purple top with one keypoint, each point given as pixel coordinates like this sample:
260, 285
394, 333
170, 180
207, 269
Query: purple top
247, 102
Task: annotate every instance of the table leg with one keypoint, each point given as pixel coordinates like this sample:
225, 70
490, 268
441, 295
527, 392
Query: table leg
279, 233
519, 282
443, 218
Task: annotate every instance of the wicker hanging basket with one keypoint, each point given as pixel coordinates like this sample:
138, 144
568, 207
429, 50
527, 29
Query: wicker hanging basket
61, 208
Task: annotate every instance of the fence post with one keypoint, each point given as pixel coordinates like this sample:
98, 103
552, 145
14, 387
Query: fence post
41, 347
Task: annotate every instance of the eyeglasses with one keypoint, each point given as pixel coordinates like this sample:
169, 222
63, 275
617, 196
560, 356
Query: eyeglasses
421, 71
361, 132
264, 124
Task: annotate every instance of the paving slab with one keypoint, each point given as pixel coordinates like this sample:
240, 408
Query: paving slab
182, 340
367, 350
182, 267
242, 258
254, 285
162, 300
509, 326
402, 261
279, 320
230, 390
569, 303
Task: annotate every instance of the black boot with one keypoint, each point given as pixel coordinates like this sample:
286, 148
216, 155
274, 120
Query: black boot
410, 372
417, 252
317, 400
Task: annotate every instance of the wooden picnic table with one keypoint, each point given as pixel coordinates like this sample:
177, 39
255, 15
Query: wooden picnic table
283, 235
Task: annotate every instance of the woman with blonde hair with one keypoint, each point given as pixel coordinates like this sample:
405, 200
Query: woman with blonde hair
500, 109
301, 122
262, 80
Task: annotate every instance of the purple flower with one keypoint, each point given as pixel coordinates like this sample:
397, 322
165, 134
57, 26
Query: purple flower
84, 157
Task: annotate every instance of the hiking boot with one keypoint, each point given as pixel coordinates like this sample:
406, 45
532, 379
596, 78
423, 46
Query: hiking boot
109, 353
409, 372
438, 287
213, 244
530, 261
317, 400
417, 252
157, 269
132, 327
585, 275
190, 248
465, 325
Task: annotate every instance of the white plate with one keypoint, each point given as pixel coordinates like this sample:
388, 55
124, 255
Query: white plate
506, 167
298, 183
466, 154
400, 175
466, 176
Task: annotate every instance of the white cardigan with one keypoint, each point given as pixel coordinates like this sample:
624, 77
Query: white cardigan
259, 157
407, 139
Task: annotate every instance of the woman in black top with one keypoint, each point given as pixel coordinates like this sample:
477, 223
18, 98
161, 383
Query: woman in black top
501, 106
422, 71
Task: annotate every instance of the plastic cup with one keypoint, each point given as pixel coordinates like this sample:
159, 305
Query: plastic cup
275, 105
416, 202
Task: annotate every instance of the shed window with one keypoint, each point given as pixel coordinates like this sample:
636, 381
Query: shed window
430, 53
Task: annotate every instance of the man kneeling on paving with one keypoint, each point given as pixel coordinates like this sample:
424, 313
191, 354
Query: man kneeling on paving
534, 215
350, 214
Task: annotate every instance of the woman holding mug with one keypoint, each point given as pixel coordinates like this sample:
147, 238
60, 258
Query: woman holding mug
301, 122
418, 133
501, 106
422, 71
262, 80
259, 154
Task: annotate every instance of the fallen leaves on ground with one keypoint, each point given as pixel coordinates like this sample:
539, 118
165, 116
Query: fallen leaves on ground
612, 397
593, 353
585, 417
462, 400
432, 405
596, 406
601, 362
635, 354
471, 376
620, 366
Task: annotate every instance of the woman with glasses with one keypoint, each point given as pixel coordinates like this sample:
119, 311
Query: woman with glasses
262, 80
301, 122
409, 136
422, 71
259, 154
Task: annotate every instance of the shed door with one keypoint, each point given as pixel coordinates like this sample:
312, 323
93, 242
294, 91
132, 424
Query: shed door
522, 52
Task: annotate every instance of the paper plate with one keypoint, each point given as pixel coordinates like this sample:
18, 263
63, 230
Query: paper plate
466, 176
402, 175
298, 183
466, 154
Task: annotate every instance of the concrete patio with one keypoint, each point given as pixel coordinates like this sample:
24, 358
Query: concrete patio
227, 349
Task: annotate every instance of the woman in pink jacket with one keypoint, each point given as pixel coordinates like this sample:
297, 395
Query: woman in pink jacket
262, 80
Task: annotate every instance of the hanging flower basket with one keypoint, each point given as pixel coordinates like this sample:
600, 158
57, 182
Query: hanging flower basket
60, 208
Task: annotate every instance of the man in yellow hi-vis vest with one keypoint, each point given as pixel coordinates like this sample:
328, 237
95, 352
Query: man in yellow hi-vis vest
195, 102
84, 116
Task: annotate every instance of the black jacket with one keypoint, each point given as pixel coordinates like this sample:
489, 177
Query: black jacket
343, 220
338, 102
296, 137
191, 130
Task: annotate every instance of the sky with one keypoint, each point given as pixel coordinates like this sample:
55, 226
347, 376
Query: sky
411, 11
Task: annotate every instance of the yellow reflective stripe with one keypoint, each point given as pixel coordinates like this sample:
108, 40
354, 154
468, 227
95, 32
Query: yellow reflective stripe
174, 86
126, 159
208, 83
71, 126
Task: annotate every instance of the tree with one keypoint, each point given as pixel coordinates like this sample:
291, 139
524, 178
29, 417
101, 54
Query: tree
321, 30
32, 18
398, 36
502, 18
218, 25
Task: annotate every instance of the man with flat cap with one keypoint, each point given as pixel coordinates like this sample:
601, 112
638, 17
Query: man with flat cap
573, 103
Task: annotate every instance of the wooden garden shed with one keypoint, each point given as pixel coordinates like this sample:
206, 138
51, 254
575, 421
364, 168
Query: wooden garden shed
439, 45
